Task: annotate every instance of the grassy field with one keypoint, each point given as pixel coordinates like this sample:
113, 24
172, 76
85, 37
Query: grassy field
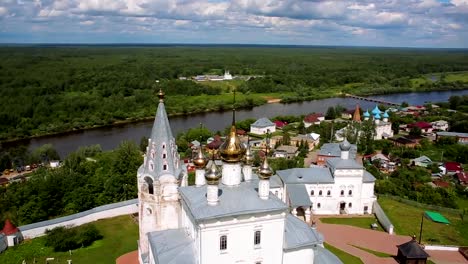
120, 237
453, 77
362, 222
407, 220
343, 256
375, 253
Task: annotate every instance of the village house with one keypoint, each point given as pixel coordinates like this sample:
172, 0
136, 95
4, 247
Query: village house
452, 167
262, 126
313, 119
332, 150
462, 137
422, 161
440, 125
424, 126
462, 178
312, 139
288, 152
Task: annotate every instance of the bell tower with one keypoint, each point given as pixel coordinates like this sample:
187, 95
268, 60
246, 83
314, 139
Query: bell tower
159, 178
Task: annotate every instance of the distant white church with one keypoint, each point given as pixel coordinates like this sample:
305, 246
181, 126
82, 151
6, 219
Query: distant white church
229, 216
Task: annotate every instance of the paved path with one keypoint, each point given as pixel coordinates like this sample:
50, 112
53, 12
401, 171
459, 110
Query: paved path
129, 258
343, 237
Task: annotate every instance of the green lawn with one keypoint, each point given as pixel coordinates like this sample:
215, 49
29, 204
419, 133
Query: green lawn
120, 237
343, 256
407, 220
452, 77
362, 222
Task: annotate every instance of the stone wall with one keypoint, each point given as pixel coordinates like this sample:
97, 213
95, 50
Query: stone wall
101, 212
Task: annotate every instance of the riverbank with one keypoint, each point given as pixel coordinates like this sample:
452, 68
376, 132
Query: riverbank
210, 113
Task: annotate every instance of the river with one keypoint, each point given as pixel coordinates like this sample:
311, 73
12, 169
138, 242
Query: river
110, 137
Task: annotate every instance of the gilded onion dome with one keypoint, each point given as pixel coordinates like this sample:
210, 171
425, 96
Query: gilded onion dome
212, 174
232, 150
200, 161
249, 157
265, 172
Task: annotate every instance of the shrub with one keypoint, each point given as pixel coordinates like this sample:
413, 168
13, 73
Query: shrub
63, 239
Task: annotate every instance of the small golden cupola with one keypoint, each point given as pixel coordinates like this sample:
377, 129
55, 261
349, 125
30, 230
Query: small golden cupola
232, 150
200, 160
212, 174
265, 172
249, 157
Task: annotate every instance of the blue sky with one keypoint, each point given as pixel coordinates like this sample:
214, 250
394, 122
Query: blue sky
409, 23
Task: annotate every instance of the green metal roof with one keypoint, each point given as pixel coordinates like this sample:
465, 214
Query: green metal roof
436, 217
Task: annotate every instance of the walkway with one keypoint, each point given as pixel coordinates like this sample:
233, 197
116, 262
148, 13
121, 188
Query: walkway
343, 237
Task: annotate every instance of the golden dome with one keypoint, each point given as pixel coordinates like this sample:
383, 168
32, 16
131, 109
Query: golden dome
232, 150
200, 161
265, 172
212, 174
249, 157
161, 95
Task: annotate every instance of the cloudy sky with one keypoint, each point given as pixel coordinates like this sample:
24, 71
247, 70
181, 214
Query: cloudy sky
407, 23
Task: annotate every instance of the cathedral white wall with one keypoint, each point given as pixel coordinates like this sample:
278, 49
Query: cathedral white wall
301, 256
240, 240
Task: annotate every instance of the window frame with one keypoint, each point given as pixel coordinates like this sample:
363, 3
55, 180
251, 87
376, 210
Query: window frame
223, 243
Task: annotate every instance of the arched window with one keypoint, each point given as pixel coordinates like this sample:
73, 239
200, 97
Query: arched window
318, 205
164, 146
320, 193
164, 155
328, 193
276, 193
152, 153
223, 242
350, 205
149, 182
350, 192
342, 192
312, 192
257, 237
165, 167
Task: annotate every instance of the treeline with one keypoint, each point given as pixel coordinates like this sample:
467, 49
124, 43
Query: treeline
52, 89
87, 178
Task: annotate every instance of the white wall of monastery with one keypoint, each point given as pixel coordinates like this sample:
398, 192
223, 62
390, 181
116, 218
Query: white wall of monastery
117, 209
240, 240
262, 130
302, 256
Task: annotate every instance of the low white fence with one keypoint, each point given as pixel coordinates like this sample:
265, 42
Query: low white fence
440, 247
382, 217
101, 212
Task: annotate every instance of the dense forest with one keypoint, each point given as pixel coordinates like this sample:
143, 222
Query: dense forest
46, 89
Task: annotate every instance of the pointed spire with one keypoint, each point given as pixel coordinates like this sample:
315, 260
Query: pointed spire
357, 114
200, 161
232, 150
265, 171
248, 158
161, 157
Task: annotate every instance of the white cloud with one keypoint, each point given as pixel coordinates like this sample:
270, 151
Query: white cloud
3, 11
87, 23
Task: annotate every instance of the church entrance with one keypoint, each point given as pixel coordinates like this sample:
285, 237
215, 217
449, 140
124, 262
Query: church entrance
300, 212
342, 208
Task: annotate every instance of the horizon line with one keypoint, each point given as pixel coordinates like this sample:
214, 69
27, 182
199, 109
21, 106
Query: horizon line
2, 44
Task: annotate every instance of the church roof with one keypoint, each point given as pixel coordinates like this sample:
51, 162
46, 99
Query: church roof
324, 256
366, 114
368, 177
9, 228
161, 155
298, 234
229, 201
333, 150
172, 246
412, 249
298, 195
339, 163
263, 122
306, 175
376, 110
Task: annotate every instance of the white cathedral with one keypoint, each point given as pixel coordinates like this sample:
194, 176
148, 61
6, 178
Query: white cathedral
229, 216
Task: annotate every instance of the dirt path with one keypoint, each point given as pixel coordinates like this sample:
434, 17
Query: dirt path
344, 237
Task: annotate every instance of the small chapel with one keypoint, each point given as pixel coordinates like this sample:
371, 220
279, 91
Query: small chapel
230, 215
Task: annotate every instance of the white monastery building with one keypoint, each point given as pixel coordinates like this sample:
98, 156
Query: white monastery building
229, 216
343, 186
262, 126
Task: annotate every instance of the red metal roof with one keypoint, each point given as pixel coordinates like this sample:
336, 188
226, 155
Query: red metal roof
312, 118
9, 228
441, 184
463, 176
421, 124
452, 166
280, 124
